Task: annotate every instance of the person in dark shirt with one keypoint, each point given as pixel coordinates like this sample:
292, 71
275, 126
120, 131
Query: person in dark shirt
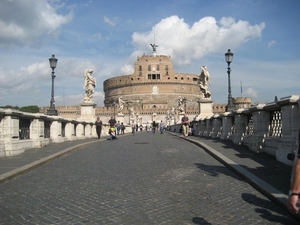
112, 122
185, 122
99, 125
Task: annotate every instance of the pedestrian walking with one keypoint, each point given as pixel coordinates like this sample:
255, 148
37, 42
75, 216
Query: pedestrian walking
185, 123
118, 128
153, 126
161, 127
148, 127
122, 128
133, 127
99, 126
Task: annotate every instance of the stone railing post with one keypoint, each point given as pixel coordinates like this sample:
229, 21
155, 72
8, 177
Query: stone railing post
56, 131
227, 123
240, 121
217, 124
80, 131
290, 128
69, 131
261, 122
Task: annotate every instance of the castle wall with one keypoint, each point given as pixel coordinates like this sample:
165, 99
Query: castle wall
153, 81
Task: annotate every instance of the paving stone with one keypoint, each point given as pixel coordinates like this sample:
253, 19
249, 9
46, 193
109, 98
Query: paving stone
167, 181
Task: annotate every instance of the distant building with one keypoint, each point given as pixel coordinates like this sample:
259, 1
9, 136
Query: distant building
151, 93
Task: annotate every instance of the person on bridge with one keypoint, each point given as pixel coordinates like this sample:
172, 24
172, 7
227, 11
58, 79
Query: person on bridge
295, 186
133, 127
112, 122
185, 122
161, 127
99, 126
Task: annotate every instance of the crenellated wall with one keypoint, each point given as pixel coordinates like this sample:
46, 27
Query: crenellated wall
270, 128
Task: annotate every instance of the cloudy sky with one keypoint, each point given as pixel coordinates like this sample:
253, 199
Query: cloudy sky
107, 36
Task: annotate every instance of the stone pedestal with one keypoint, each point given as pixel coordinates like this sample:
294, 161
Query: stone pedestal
205, 108
120, 117
88, 112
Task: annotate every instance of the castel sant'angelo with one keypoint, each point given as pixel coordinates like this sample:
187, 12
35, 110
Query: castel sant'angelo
154, 92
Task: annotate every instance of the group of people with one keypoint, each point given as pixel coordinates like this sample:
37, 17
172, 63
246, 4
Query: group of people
115, 128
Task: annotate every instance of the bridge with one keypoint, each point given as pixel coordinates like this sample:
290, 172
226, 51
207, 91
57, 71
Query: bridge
270, 128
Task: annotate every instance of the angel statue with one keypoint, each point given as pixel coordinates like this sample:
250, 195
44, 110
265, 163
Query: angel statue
180, 104
154, 47
204, 81
121, 103
89, 85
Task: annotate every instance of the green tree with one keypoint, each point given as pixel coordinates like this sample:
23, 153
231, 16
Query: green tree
30, 109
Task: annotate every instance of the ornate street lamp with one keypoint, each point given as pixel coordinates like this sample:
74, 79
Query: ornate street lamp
228, 58
52, 111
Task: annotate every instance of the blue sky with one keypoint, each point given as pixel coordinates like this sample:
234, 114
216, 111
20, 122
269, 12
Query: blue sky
107, 36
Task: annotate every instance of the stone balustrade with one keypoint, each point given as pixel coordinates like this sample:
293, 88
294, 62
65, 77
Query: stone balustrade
20, 131
271, 128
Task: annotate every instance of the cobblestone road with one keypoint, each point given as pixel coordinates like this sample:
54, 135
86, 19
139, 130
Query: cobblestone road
136, 180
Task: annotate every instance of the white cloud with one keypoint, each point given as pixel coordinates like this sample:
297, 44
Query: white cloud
184, 42
32, 22
97, 35
272, 43
109, 21
127, 69
250, 92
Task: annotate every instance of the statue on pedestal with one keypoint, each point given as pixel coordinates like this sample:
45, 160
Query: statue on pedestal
204, 81
180, 104
89, 85
121, 104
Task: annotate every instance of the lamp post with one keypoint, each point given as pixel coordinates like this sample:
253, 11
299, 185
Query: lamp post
228, 58
52, 111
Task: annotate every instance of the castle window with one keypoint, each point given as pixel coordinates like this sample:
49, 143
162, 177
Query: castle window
157, 67
182, 78
167, 73
140, 73
140, 68
153, 76
167, 67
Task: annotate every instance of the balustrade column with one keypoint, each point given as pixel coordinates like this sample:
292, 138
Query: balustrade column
240, 121
290, 128
227, 123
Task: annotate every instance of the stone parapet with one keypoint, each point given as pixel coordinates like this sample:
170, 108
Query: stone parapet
20, 131
271, 128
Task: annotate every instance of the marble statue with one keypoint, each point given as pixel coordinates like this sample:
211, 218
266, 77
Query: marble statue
121, 103
132, 112
89, 85
180, 104
204, 81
